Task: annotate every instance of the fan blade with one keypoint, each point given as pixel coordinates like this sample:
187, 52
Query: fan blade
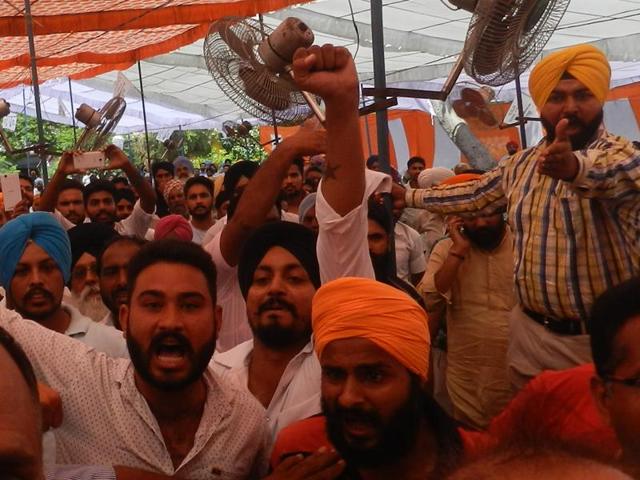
261, 87
472, 97
239, 47
460, 107
487, 117
100, 124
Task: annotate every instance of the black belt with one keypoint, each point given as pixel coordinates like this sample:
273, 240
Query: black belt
568, 326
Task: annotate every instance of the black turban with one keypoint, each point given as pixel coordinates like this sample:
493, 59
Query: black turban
296, 239
89, 238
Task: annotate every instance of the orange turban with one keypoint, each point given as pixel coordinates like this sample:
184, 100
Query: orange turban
461, 178
585, 63
364, 308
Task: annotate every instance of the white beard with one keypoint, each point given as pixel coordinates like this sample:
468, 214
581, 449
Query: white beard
90, 304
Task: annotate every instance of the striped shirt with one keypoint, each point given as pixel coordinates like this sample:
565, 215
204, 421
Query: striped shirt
572, 240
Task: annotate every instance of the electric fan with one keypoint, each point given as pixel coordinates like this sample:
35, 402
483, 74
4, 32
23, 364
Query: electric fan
99, 124
5, 110
172, 144
472, 102
252, 64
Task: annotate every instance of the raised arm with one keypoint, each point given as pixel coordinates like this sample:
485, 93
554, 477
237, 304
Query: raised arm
330, 72
261, 193
49, 197
118, 160
485, 194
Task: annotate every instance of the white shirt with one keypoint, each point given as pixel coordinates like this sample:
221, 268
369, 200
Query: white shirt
235, 326
77, 472
198, 234
410, 258
108, 422
96, 335
342, 247
298, 393
220, 223
107, 320
135, 225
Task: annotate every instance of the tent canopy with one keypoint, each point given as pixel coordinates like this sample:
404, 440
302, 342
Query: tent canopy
422, 40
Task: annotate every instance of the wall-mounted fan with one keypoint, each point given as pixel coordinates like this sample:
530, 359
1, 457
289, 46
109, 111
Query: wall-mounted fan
472, 102
99, 124
173, 144
252, 64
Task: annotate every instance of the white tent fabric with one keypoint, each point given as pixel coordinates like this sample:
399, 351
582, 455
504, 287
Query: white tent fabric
422, 39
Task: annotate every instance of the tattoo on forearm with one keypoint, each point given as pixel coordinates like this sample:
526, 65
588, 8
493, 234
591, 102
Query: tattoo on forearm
330, 171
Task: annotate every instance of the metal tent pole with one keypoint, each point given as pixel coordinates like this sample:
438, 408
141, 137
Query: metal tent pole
36, 87
382, 125
144, 117
73, 116
521, 120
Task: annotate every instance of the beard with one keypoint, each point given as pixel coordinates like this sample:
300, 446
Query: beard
90, 304
141, 359
37, 315
395, 436
581, 140
274, 335
200, 213
486, 238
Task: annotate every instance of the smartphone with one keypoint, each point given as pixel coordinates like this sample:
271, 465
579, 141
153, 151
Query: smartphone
12, 195
88, 160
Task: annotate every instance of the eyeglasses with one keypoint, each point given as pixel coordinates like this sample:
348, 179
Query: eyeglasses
629, 382
82, 272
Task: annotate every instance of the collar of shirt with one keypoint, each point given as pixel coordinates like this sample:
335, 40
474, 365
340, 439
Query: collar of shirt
79, 324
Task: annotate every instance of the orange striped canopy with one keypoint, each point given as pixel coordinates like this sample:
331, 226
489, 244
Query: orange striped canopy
84, 38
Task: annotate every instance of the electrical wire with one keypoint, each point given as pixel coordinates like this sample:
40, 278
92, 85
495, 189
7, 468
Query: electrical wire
446, 4
355, 27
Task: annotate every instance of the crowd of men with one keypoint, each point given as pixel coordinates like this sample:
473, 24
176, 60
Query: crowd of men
312, 317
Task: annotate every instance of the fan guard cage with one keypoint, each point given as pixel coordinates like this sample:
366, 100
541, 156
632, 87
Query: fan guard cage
506, 36
245, 79
93, 139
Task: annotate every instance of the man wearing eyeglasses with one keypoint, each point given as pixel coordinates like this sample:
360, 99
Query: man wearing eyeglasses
36, 265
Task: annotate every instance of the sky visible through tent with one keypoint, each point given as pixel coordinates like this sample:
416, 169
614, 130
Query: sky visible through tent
422, 39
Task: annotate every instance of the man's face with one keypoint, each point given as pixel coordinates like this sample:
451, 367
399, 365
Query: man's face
199, 201
20, 424
378, 239
171, 325
292, 184
101, 207
574, 101
618, 403
71, 205
124, 208
310, 221
182, 172
415, 169
37, 284
27, 191
161, 178
84, 273
375, 166
113, 275
313, 179
372, 405
279, 300
176, 202
485, 232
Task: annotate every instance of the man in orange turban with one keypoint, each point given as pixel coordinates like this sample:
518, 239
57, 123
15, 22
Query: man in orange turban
572, 202
373, 344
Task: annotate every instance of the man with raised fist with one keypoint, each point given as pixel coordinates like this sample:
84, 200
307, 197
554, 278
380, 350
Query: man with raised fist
572, 204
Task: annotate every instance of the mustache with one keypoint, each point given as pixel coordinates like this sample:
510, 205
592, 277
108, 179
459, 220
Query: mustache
178, 337
354, 415
38, 291
275, 303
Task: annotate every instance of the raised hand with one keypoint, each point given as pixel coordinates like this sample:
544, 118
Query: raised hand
66, 166
118, 160
309, 139
327, 71
461, 243
51, 405
558, 160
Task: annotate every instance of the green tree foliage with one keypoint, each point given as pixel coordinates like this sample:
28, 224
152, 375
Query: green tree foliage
201, 146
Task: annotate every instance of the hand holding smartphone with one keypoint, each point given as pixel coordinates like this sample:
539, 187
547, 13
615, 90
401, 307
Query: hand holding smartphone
89, 160
11, 192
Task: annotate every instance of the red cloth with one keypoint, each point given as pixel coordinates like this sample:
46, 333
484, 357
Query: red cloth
307, 436
554, 406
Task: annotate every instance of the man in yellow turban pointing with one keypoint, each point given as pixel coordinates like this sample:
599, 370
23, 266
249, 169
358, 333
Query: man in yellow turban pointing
572, 203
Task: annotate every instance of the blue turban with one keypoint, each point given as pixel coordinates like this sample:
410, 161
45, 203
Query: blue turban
183, 161
45, 231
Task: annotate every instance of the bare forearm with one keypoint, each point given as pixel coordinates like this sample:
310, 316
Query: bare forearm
343, 184
256, 202
144, 188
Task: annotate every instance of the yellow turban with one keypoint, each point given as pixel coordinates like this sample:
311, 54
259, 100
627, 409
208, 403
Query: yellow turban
585, 63
364, 308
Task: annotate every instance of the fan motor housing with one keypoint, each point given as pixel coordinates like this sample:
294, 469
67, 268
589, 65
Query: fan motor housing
87, 115
5, 108
278, 48
468, 5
